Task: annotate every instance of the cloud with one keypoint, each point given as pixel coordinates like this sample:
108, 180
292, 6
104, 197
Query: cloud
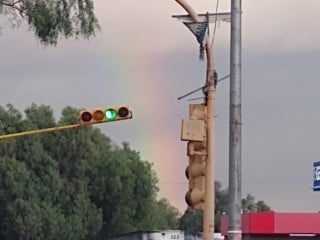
288, 25
146, 59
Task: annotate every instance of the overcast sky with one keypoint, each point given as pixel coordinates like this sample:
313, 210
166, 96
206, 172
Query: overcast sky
146, 59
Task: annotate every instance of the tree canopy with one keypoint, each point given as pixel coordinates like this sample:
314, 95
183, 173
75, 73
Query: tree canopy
49, 19
73, 184
78, 184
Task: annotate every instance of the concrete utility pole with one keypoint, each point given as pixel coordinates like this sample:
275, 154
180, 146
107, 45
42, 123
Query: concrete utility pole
234, 231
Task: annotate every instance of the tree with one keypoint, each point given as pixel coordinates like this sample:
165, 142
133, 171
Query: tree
250, 205
49, 19
191, 221
73, 184
169, 214
161, 216
37, 201
221, 203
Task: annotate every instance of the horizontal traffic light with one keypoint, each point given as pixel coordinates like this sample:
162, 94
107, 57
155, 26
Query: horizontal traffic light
107, 114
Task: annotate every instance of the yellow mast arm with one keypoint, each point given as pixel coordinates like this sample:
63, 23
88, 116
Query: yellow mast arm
39, 131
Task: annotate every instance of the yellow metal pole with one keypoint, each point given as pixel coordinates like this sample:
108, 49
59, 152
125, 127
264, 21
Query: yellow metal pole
208, 212
39, 131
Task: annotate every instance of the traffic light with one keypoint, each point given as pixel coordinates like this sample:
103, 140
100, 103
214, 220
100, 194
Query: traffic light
194, 131
106, 114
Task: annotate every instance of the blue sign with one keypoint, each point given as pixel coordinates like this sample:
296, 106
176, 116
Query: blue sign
316, 176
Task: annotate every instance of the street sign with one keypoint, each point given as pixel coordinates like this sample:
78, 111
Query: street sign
316, 176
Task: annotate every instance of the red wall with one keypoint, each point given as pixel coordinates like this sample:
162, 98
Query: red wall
258, 223
254, 222
276, 223
297, 223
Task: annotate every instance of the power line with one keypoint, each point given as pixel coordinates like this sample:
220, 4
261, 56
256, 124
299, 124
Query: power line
215, 23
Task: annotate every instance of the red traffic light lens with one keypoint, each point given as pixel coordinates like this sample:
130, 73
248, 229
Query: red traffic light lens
86, 116
98, 115
123, 112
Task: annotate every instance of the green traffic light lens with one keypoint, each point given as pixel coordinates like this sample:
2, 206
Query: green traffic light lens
111, 114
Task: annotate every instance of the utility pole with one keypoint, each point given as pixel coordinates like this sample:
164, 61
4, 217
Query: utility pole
208, 208
235, 231
207, 195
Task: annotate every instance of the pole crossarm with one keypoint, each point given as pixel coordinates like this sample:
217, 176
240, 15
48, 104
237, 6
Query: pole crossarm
210, 17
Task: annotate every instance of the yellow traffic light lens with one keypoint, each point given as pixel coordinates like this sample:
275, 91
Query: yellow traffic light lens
111, 114
123, 112
86, 116
98, 115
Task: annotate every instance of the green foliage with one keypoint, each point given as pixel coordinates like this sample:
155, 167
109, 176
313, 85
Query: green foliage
250, 205
221, 204
170, 215
161, 216
191, 221
73, 184
51, 18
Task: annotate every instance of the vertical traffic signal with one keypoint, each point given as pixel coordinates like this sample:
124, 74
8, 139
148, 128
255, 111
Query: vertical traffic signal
194, 131
106, 114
